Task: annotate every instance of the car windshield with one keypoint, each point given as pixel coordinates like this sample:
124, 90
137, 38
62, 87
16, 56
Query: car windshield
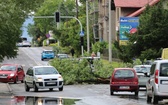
124, 74
8, 67
45, 71
142, 69
48, 52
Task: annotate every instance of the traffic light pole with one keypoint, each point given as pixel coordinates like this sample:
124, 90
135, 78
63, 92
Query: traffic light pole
65, 17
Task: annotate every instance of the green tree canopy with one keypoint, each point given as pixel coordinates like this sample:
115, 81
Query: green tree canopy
151, 37
13, 14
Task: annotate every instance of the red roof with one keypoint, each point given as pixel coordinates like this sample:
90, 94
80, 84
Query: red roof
131, 3
143, 8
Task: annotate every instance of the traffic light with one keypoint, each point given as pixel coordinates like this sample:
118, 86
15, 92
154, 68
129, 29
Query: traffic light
81, 40
57, 16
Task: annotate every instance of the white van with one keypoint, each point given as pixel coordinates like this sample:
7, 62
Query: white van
157, 85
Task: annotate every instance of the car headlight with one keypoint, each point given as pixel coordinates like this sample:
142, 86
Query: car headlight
39, 79
12, 74
60, 78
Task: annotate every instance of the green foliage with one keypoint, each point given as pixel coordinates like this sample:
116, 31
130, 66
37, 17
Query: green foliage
13, 14
150, 38
99, 46
137, 62
75, 70
67, 32
124, 52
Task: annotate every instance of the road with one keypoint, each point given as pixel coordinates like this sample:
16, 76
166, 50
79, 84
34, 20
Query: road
87, 94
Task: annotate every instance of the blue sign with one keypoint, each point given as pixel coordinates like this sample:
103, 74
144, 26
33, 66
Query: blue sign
82, 33
128, 25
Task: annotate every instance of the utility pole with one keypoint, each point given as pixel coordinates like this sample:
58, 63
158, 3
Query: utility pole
87, 21
76, 8
110, 31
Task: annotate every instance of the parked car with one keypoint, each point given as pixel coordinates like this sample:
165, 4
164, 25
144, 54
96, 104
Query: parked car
62, 56
124, 79
47, 54
11, 73
43, 77
157, 85
19, 44
143, 72
26, 44
148, 62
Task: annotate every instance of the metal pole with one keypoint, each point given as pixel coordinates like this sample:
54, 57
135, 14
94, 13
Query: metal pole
110, 38
82, 50
87, 21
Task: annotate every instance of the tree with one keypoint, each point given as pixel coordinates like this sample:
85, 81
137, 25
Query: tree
151, 37
13, 14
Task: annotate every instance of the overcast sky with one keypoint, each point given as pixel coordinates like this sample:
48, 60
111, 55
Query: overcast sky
24, 28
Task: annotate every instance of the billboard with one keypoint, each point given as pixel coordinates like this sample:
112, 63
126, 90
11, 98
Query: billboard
127, 25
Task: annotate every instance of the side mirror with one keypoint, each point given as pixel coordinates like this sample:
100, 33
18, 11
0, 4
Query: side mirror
19, 69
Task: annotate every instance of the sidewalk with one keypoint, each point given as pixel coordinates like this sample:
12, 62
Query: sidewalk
5, 89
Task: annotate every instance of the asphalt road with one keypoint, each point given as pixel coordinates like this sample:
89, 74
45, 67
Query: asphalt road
88, 94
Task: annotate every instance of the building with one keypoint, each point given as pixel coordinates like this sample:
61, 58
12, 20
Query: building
99, 12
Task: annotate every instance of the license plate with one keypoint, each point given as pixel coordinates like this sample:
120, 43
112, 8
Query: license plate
164, 82
51, 83
3, 77
124, 87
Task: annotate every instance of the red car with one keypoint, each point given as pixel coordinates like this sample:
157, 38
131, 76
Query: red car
124, 79
11, 73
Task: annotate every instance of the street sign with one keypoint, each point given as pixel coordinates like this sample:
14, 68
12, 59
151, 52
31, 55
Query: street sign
81, 33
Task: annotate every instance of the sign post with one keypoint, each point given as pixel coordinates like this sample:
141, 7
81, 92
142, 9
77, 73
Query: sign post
82, 41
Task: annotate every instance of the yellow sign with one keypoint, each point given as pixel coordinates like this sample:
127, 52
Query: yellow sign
123, 42
165, 53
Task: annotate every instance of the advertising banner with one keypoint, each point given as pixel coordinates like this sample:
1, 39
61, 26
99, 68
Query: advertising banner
127, 25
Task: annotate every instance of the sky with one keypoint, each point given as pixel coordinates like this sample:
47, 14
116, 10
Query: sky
24, 28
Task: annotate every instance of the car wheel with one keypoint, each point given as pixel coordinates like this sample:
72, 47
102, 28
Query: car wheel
136, 93
26, 87
42, 59
35, 88
16, 79
22, 81
51, 89
154, 99
111, 92
149, 99
61, 88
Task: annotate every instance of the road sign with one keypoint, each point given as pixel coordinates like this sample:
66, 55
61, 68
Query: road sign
81, 33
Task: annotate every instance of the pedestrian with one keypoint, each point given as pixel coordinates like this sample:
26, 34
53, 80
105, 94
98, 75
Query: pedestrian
72, 52
93, 54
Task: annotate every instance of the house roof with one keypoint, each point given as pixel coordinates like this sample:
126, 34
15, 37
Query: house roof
139, 11
131, 3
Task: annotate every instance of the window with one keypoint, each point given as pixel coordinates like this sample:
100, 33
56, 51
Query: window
164, 69
124, 74
8, 67
152, 69
45, 71
30, 72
